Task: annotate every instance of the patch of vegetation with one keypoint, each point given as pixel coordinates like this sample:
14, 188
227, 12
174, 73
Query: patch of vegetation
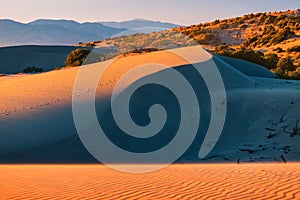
283, 67
141, 51
294, 49
77, 57
32, 69
269, 61
279, 50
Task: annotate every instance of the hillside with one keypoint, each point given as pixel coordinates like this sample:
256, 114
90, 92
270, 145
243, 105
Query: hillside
271, 39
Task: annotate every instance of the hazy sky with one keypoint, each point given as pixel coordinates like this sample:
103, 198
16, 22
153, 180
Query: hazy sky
177, 11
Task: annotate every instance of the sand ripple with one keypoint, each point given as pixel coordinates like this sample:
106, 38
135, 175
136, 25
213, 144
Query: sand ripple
217, 181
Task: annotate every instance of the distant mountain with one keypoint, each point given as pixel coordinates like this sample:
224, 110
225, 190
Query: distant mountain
66, 32
139, 23
52, 32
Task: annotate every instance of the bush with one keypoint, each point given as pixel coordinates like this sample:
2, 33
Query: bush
271, 60
251, 41
279, 50
77, 57
32, 69
223, 26
217, 21
250, 55
243, 26
284, 74
281, 36
223, 50
294, 48
285, 64
204, 38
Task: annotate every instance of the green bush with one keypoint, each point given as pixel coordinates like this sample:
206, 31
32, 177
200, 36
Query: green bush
77, 57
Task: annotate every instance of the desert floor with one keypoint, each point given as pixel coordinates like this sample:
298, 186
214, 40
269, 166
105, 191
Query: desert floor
180, 181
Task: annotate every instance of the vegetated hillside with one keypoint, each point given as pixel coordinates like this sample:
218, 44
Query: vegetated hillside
269, 39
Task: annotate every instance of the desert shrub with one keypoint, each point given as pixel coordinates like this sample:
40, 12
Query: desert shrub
250, 55
223, 26
243, 26
295, 75
204, 38
285, 64
279, 50
77, 57
281, 36
251, 41
271, 60
262, 17
223, 50
217, 21
269, 30
32, 69
285, 74
294, 48
252, 21
270, 19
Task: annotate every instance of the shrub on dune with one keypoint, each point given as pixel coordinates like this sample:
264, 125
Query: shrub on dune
77, 57
32, 69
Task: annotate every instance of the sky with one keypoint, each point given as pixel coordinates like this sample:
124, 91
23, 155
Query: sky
183, 12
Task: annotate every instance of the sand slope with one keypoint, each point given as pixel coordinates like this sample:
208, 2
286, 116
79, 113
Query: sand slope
216, 181
36, 110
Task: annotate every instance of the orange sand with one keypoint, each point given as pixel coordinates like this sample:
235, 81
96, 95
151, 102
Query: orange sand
25, 93
184, 181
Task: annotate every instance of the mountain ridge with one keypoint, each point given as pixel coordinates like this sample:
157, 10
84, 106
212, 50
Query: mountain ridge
63, 31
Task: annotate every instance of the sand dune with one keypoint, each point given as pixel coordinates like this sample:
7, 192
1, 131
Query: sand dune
36, 110
212, 181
